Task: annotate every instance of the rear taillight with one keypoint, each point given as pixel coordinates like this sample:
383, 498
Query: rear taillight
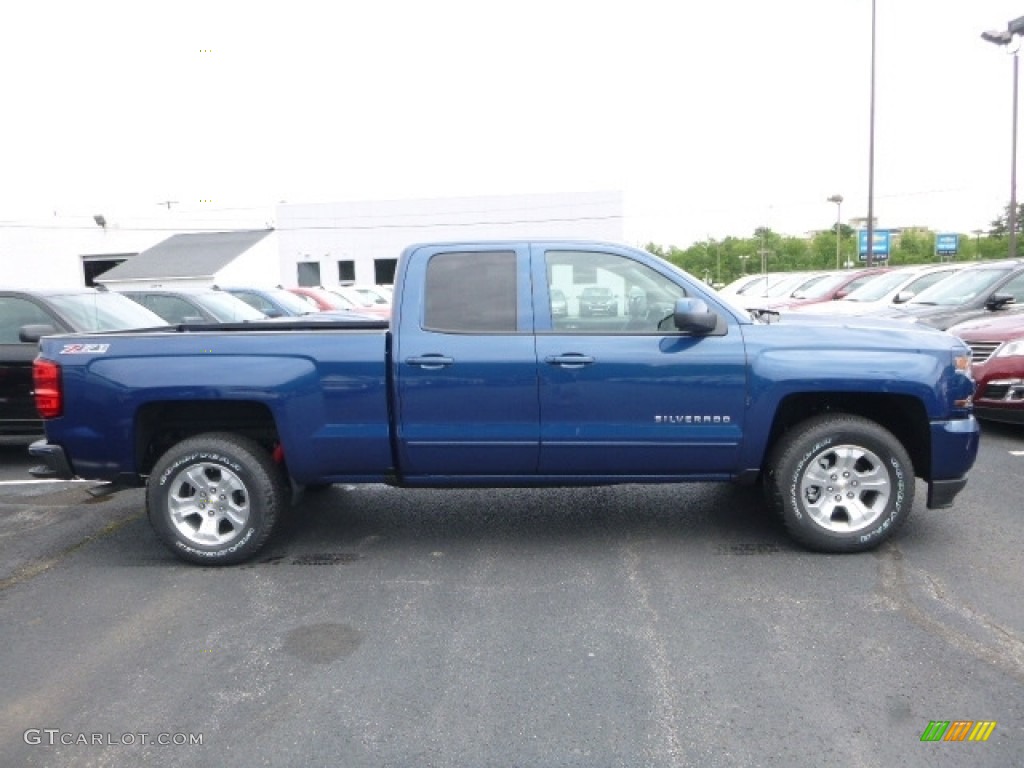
46, 379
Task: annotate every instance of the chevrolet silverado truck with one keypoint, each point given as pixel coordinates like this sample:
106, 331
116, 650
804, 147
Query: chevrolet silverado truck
475, 381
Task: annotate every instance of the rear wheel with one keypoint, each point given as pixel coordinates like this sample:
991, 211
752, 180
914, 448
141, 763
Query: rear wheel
841, 483
215, 498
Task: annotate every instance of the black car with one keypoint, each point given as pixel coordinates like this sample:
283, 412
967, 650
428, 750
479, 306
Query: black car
598, 300
25, 316
976, 291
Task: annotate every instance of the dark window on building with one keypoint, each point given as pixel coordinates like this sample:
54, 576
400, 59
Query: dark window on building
384, 271
346, 271
308, 273
94, 266
471, 292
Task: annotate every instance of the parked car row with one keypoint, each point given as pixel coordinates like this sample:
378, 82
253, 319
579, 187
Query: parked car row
997, 343
26, 316
983, 303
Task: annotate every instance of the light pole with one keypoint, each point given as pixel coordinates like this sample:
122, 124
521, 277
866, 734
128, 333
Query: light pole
838, 200
1005, 37
871, 151
977, 243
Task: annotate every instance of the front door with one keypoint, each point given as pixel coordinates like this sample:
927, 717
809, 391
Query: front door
622, 392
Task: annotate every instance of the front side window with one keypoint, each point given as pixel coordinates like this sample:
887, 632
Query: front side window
14, 313
593, 292
471, 292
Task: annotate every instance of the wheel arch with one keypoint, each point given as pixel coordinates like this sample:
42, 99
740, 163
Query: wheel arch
902, 415
160, 425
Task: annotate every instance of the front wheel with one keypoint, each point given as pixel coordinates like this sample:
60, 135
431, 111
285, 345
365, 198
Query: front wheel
215, 498
841, 483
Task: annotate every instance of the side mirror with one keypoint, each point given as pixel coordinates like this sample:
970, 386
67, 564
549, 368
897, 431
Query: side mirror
35, 331
903, 297
999, 300
693, 316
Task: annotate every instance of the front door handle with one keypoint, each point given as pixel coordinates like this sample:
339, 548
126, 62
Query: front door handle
430, 362
571, 360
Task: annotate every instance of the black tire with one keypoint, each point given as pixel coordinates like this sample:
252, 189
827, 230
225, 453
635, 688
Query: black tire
215, 498
841, 483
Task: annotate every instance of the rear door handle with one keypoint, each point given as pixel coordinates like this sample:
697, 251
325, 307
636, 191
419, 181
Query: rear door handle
430, 362
571, 360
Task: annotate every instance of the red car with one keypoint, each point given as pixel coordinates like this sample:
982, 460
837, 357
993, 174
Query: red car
835, 285
998, 365
323, 299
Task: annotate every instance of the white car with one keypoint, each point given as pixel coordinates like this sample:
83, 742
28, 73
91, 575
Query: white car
884, 291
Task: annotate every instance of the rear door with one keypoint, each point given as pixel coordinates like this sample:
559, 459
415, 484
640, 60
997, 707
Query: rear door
465, 364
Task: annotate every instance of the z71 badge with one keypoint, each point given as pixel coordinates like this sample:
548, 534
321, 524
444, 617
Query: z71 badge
84, 349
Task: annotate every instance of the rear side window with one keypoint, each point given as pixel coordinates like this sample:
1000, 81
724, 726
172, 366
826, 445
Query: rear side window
471, 292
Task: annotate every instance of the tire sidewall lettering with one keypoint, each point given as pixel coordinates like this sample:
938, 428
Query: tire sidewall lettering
897, 506
213, 554
798, 471
195, 458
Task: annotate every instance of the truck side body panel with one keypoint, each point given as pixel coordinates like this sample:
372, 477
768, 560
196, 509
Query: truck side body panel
483, 380
326, 391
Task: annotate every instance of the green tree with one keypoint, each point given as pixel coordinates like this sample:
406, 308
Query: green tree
1001, 225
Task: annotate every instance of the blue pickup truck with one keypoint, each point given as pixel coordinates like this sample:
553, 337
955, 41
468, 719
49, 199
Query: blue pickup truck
475, 381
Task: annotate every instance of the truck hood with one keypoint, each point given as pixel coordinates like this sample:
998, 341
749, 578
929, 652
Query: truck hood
869, 322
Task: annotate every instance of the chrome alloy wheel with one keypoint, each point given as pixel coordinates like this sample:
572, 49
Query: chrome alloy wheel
208, 504
845, 488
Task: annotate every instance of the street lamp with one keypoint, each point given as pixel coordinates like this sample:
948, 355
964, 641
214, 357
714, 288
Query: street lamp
838, 200
871, 151
1005, 37
977, 243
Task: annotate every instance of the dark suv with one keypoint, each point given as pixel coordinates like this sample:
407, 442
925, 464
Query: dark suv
980, 290
25, 316
598, 300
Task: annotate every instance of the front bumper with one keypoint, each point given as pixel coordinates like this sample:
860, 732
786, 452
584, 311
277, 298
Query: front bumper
954, 450
55, 464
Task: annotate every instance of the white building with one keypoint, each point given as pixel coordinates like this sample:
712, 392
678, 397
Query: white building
315, 243
330, 243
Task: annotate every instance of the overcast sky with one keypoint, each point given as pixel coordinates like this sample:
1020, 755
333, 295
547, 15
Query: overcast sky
713, 118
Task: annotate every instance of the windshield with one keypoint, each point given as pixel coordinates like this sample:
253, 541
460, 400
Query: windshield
228, 308
878, 288
962, 288
349, 299
801, 285
291, 302
98, 311
825, 286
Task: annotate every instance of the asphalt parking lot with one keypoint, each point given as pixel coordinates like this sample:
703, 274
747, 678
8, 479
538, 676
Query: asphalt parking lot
625, 626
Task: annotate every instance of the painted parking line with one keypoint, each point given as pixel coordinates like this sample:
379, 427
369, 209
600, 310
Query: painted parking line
1017, 453
38, 482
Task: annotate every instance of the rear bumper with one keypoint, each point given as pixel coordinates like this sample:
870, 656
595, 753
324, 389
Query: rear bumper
55, 464
954, 450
